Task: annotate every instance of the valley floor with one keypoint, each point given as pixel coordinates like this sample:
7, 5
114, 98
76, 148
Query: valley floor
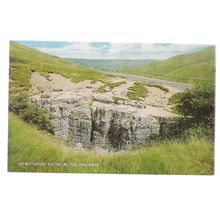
32, 150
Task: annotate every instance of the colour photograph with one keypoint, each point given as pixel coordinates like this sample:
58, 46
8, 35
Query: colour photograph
117, 108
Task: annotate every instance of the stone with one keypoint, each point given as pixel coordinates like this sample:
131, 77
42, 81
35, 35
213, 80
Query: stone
11, 69
58, 90
79, 146
45, 96
95, 121
103, 98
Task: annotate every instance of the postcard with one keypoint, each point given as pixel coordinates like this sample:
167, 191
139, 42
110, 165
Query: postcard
120, 108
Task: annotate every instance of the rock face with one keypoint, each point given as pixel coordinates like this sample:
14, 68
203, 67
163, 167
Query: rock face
90, 123
120, 127
71, 115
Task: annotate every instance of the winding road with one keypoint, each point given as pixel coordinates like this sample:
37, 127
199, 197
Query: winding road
177, 85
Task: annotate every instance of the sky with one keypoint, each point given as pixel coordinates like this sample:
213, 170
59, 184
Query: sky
105, 50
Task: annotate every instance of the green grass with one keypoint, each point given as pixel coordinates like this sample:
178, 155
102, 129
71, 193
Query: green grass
197, 67
175, 98
25, 60
101, 89
111, 85
137, 91
27, 144
158, 86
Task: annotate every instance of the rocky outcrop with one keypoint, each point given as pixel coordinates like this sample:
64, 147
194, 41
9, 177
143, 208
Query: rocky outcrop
71, 115
90, 123
121, 126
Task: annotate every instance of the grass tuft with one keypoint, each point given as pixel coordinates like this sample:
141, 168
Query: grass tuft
102, 89
138, 91
158, 86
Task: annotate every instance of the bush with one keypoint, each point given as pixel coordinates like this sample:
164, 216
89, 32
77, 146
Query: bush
199, 131
198, 107
198, 104
18, 103
31, 113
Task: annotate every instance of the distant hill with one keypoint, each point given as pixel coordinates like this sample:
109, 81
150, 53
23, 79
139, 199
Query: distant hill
109, 65
190, 68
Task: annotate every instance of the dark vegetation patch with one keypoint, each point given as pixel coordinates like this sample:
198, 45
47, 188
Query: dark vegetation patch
31, 112
197, 107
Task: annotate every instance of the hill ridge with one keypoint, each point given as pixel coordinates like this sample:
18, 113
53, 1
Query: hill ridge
110, 64
200, 64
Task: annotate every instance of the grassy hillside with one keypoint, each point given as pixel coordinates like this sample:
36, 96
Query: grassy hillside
189, 68
29, 145
23, 60
110, 65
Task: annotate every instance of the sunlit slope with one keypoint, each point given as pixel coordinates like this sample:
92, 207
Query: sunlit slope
190, 68
24, 60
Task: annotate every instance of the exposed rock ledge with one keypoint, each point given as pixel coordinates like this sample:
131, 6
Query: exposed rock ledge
79, 117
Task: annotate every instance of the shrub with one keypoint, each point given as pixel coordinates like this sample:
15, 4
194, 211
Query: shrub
199, 131
18, 103
31, 112
198, 104
174, 99
198, 108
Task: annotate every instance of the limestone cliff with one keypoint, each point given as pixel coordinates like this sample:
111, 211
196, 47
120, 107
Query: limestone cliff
78, 117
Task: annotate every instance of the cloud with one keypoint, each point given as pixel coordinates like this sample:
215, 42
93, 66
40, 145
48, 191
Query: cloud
75, 50
103, 50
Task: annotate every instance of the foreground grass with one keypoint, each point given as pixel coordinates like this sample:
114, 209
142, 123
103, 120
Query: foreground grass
27, 144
